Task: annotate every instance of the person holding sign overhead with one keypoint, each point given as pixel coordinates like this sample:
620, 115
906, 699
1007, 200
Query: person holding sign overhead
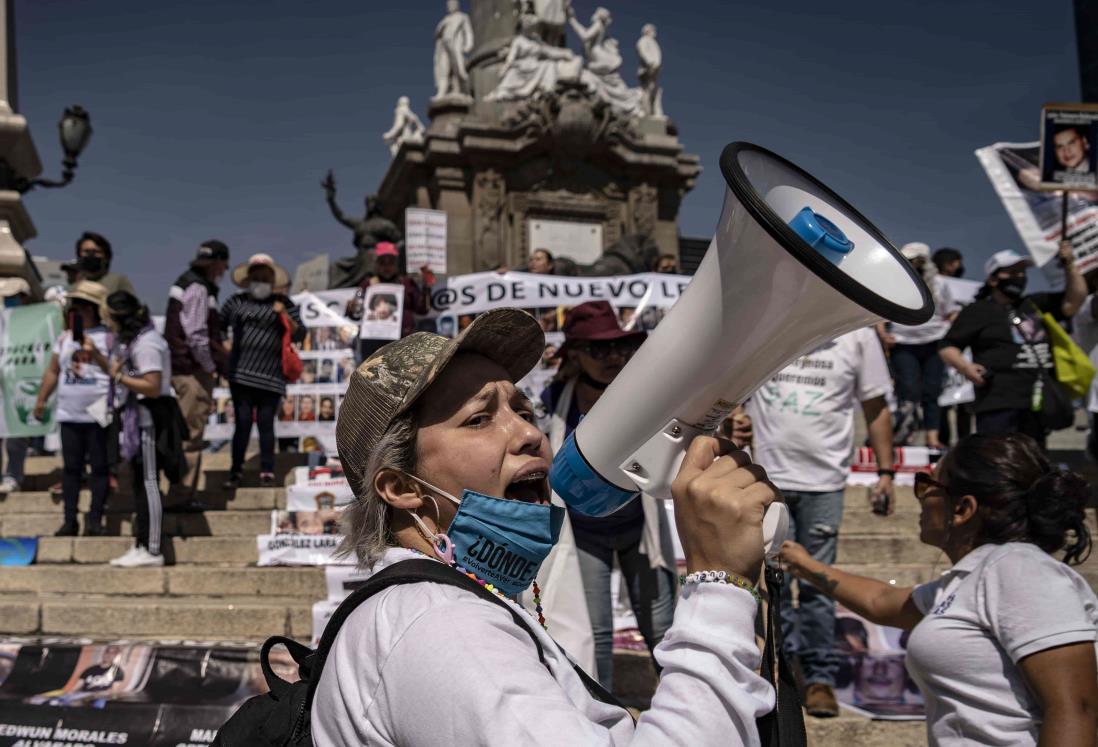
387, 271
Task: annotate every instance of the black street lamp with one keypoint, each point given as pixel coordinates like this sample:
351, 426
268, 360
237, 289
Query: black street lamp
75, 130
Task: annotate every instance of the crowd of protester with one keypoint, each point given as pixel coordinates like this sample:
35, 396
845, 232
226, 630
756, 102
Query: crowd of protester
127, 394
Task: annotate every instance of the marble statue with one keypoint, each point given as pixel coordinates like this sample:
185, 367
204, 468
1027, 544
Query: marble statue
453, 40
552, 17
600, 74
348, 272
407, 127
532, 66
651, 60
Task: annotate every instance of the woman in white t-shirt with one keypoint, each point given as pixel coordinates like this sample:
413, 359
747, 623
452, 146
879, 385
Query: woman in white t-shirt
140, 365
1002, 645
913, 354
446, 462
82, 408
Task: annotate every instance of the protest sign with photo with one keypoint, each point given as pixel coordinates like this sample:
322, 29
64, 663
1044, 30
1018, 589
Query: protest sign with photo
102, 672
301, 538
341, 580
425, 240
29, 334
1069, 133
383, 309
318, 488
872, 679
1014, 173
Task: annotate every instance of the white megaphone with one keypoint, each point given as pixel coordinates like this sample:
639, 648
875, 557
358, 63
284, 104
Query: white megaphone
792, 265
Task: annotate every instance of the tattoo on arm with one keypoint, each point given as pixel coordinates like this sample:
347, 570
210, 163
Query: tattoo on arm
820, 580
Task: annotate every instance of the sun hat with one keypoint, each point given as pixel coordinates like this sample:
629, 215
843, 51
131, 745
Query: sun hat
389, 382
1004, 259
386, 249
88, 290
240, 272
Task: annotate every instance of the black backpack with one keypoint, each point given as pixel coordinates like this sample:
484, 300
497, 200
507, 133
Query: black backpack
280, 718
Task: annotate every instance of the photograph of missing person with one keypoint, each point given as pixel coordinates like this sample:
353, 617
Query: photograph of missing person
286, 410
325, 521
327, 410
1068, 154
384, 303
101, 673
326, 371
308, 372
346, 368
306, 408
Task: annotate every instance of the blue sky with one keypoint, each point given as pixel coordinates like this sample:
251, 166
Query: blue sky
218, 119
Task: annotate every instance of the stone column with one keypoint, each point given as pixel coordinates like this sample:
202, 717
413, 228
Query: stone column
494, 23
449, 186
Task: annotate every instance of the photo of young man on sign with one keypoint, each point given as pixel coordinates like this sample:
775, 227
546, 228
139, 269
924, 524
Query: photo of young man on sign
1068, 139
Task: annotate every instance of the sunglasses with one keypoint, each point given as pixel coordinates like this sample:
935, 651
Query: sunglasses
606, 348
924, 483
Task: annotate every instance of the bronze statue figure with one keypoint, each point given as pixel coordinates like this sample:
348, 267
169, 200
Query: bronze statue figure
349, 272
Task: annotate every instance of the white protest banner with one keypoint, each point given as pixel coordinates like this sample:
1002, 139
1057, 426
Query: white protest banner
317, 489
962, 291
1069, 133
301, 538
956, 389
872, 678
1014, 173
425, 240
383, 312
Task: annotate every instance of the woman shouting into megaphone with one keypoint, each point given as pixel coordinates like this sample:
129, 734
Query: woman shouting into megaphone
446, 463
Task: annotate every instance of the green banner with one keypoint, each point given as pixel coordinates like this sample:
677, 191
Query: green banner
27, 337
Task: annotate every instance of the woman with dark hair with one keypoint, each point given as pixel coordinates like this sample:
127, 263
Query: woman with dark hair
81, 390
1003, 644
141, 366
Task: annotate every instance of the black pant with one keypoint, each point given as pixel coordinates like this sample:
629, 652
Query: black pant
147, 507
258, 405
84, 444
1012, 421
964, 423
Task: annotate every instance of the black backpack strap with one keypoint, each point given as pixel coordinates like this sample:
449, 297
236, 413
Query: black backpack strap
404, 572
784, 726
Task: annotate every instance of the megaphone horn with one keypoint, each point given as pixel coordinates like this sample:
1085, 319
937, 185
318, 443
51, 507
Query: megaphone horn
792, 265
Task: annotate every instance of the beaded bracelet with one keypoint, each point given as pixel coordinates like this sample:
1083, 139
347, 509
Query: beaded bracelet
721, 577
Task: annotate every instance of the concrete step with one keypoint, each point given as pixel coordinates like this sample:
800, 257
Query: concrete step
192, 617
240, 551
42, 501
851, 730
208, 523
172, 581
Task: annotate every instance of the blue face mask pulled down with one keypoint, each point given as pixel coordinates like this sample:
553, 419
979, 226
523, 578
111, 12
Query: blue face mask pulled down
501, 541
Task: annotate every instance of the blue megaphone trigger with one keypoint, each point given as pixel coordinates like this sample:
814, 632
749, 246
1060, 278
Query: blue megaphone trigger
582, 488
821, 234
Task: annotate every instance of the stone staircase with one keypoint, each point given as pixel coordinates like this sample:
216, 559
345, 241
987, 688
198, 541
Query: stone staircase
212, 590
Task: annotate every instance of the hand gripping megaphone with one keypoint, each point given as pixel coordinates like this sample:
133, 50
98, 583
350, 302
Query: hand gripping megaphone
792, 265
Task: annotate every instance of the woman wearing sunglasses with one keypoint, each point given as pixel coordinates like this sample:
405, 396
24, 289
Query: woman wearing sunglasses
1002, 645
595, 351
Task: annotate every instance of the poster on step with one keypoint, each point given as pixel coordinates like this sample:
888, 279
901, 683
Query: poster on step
302, 538
872, 679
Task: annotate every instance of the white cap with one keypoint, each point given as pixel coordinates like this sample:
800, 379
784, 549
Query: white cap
914, 250
1005, 258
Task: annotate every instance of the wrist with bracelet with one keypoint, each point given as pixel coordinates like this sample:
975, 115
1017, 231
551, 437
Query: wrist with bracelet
721, 577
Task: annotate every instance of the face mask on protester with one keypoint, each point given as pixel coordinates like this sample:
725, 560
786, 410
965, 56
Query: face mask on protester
1013, 286
504, 542
260, 291
92, 264
959, 272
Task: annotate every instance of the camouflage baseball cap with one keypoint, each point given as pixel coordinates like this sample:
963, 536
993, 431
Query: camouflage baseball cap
385, 385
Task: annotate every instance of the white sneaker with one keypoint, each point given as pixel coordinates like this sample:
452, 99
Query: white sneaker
140, 558
9, 485
124, 556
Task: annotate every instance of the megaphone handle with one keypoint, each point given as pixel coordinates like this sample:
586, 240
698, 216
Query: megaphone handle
775, 529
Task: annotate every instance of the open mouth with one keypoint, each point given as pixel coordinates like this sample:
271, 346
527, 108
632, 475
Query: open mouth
529, 488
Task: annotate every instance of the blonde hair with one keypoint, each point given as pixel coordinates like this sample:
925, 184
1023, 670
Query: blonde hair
365, 522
